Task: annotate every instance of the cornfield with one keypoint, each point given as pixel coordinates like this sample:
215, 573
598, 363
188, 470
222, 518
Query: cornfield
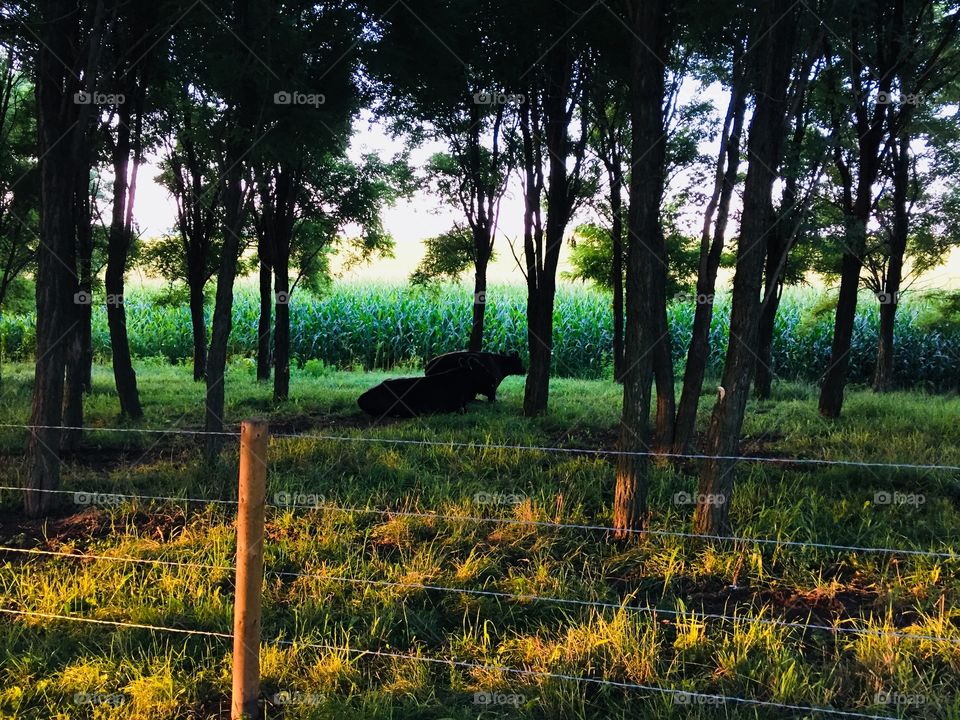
375, 326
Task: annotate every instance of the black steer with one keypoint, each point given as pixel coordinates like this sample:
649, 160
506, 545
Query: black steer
409, 397
487, 370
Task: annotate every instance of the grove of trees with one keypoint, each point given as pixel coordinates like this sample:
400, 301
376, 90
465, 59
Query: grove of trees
836, 152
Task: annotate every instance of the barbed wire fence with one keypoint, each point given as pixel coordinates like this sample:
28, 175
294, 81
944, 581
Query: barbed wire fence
246, 635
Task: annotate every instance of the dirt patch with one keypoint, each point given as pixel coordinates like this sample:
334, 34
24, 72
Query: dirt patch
81, 529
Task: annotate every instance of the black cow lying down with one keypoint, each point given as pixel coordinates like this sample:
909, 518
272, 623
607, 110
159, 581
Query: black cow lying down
487, 370
409, 397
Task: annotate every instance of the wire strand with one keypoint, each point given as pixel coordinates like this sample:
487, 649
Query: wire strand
519, 597
596, 681
519, 521
498, 446
469, 665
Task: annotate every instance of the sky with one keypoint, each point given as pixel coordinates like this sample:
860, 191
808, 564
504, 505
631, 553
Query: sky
412, 220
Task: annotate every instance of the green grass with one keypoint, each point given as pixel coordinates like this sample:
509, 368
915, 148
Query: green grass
378, 326
45, 663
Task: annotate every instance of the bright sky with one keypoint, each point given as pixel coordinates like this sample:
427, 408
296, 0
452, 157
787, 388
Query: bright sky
410, 221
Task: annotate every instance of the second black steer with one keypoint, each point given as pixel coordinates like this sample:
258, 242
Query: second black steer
486, 370
410, 397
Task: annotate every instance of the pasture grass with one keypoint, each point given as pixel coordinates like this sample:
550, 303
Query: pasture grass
316, 623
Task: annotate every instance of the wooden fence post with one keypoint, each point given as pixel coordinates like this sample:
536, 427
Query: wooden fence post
246, 611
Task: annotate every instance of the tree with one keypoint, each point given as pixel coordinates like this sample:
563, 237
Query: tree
19, 191
913, 228
67, 61
651, 26
773, 40
189, 172
879, 38
712, 239
446, 89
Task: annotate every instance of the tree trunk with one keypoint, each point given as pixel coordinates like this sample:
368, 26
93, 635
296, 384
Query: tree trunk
539, 338
481, 242
234, 202
773, 55
883, 375
80, 348
118, 246
646, 271
663, 371
616, 280
772, 292
281, 342
698, 354
835, 378
198, 323
61, 129
266, 308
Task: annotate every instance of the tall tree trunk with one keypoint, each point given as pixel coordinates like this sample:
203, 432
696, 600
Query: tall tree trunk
835, 378
773, 53
234, 203
663, 370
539, 338
198, 323
646, 272
479, 292
80, 347
883, 374
266, 309
772, 292
281, 379
62, 129
698, 354
616, 280
121, 231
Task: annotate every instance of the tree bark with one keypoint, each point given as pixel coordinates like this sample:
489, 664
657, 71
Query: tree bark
281, 378
698, 354
266, 310
62, 132
80, 348
773, 55
198, 322
118, 246
616, 244
835, 378
479, 292
646, 257
234, 204
883, 374
772, 292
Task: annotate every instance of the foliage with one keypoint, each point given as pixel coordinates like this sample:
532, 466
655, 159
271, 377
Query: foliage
375, 326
